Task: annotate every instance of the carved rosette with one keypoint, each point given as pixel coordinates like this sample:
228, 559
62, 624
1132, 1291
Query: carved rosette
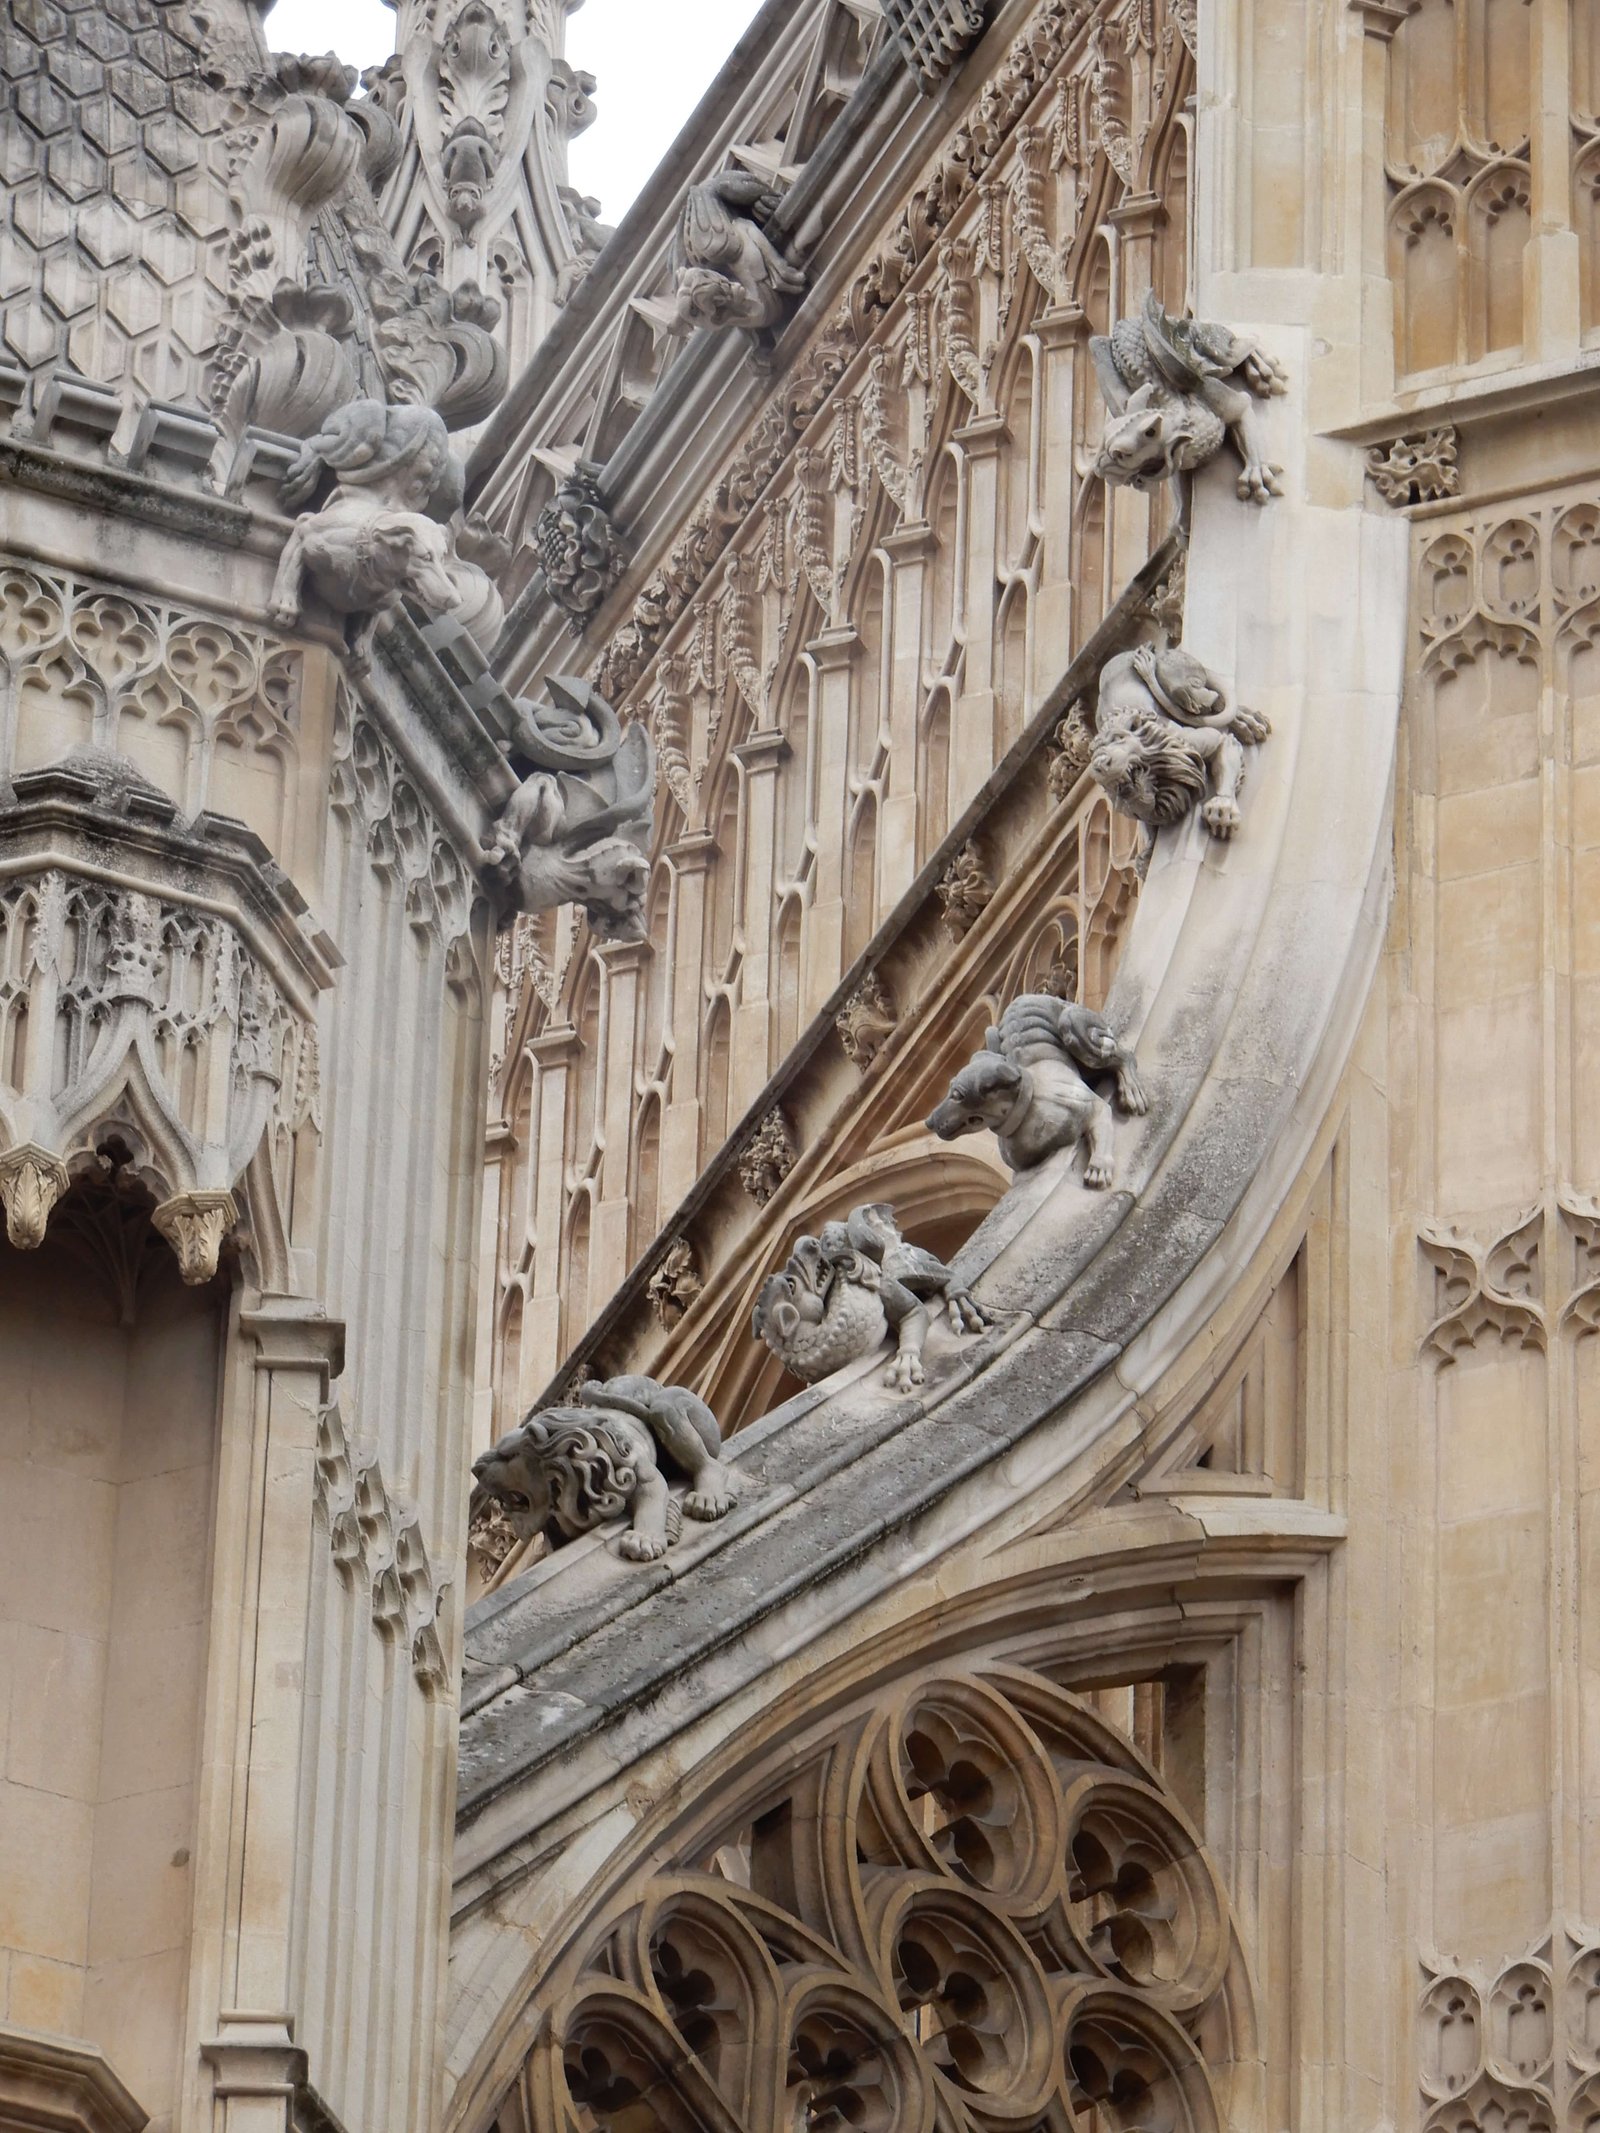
144, 1021
994, 1915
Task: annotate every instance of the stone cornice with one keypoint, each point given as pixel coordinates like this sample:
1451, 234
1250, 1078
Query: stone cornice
60, 2085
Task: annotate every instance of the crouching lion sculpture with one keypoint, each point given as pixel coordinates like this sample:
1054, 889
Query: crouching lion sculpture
566, 1470
1165, 737
841, 1294
1032, 1086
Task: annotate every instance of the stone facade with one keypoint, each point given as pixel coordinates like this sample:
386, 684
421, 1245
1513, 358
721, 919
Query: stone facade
976, 1509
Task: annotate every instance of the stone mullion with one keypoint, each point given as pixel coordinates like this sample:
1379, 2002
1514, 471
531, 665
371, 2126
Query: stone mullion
622, 963
973, 716
1060, 334
249, 1825
555, 1054
691, 859
761, 757
1550, 265
831, 656
910, 551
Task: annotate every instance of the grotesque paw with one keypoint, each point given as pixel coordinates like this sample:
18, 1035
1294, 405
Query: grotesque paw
1221, 817
1250, 725
967, 1315
1097, 1176
709, 1503
642, 1547
1259, 482
905, 1371
1130, 1093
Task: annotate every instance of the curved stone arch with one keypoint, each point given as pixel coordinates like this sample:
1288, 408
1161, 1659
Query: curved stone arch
913, 1829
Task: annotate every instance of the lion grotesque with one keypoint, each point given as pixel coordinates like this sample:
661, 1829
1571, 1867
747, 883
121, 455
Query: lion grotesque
1166, 739
1035, 1086
566, 1470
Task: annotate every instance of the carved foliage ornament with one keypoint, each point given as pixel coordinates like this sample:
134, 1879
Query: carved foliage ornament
1418, 468
579, 548
767, 1157
971, 1905
377, 1543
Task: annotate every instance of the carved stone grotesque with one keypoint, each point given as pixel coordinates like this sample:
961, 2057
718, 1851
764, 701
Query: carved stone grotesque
566, 1470
728, 270
577, 828
1034, 1086
842, 1294
1166, 738
578, 546
1177, 388
383, 531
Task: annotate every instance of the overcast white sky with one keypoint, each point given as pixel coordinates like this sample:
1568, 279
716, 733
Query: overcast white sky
653, 60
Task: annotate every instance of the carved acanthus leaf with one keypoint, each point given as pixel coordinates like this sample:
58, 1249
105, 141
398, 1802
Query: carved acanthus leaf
964, 890
901, 478
866, 1021
1418, 468
767, 1157
675, 1284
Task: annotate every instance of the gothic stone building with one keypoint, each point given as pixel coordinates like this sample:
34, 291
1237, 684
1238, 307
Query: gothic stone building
802, 1197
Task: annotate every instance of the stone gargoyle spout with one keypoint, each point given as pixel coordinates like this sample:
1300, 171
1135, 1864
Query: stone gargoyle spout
577, 828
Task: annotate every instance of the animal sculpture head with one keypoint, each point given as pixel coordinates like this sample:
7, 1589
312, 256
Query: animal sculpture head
1149, 770
1147, 442
567, 1470
982, 1096
401, 552
706, 298
614, 876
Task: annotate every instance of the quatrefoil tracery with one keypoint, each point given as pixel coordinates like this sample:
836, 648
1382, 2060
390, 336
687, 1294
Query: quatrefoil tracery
976, 1907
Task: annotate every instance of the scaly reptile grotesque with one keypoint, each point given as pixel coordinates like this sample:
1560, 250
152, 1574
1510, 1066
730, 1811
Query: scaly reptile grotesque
1176, 388
842, 1294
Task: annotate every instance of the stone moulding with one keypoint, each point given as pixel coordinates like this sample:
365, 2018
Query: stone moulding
53, 2085
1241, 981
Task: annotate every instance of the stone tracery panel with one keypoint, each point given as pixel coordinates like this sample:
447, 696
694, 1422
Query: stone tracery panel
970, 1903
